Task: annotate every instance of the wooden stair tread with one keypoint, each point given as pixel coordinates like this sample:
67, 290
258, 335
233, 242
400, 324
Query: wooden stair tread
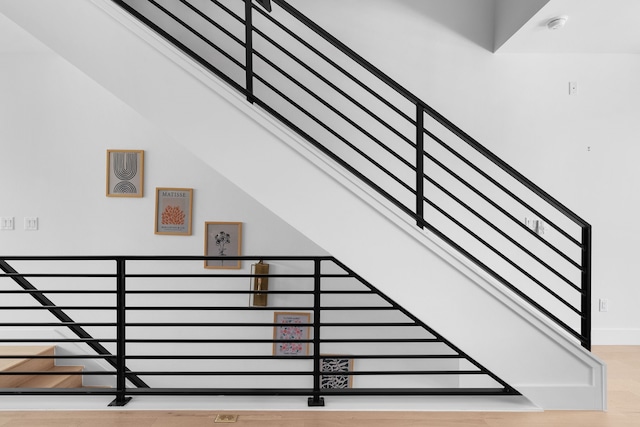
27, 364
25, 350
55, 381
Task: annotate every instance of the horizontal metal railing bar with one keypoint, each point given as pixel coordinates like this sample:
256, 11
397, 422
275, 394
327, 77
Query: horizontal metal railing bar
205, 292
55, 307
246, 324
402, 372
197, 34
379, 340
336, 88
341, 69
245, 308
224, 373
302, 357
214, 23
211, 341
502, 233
57, 340
502, 188
259, 392
293, 373
501, 210
366, 324
210, 308
229, 11
335, 111
215, 357
50, 373
64, 275
466, 391
57, 291
58, 356
219, 276
309, 391
262, 341
333, 132
86, 391
165, 257
56, 324
232, 292
507, 259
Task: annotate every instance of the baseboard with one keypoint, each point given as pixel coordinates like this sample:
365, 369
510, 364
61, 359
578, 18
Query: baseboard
615, 336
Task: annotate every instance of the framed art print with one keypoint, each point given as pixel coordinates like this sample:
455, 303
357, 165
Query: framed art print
173, 211
222, 239
339, 367
293, 328
125, 172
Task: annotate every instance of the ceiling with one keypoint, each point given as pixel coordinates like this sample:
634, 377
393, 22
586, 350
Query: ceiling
593, 27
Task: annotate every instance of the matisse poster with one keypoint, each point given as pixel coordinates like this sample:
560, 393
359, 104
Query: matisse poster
173, 211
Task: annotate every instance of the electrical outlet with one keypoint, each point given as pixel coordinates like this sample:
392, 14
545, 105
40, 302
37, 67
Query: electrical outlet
603, 305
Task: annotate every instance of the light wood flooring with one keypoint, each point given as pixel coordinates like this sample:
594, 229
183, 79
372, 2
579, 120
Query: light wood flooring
624, 411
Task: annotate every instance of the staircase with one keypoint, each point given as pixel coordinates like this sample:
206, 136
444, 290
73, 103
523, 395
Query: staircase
427, 278
39, 359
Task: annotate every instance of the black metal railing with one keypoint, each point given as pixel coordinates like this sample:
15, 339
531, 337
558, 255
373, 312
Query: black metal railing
418, 161
165, 327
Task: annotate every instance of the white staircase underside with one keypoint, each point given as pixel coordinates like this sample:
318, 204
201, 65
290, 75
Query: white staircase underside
271, 165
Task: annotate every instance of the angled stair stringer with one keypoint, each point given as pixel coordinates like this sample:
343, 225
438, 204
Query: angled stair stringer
273, 166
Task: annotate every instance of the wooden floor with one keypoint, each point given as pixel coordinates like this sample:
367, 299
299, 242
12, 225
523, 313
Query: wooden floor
624, 411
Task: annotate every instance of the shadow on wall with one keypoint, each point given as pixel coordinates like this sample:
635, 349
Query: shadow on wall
472, 19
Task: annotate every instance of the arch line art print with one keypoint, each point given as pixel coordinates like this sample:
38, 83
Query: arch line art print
125, 173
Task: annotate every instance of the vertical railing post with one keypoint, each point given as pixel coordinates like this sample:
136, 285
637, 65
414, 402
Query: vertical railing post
120, 399
420, 165
248, 28
586, 286
316, 400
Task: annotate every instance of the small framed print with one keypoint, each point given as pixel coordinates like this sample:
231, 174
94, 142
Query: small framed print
222, 239
173, 211
125, 173
294, 329
336, 365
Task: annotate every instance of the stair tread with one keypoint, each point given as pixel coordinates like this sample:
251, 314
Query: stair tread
55, 381
24, 350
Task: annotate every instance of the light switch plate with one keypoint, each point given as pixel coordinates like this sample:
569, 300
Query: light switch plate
31, 223
7, 223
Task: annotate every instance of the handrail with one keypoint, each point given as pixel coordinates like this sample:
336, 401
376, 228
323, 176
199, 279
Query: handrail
153, 333
348, 116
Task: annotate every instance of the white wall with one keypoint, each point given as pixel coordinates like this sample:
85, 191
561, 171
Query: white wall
55, 127
581, 149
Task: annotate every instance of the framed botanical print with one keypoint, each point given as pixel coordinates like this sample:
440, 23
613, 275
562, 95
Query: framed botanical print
173, 211
125, 173
292, 327
222, 239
